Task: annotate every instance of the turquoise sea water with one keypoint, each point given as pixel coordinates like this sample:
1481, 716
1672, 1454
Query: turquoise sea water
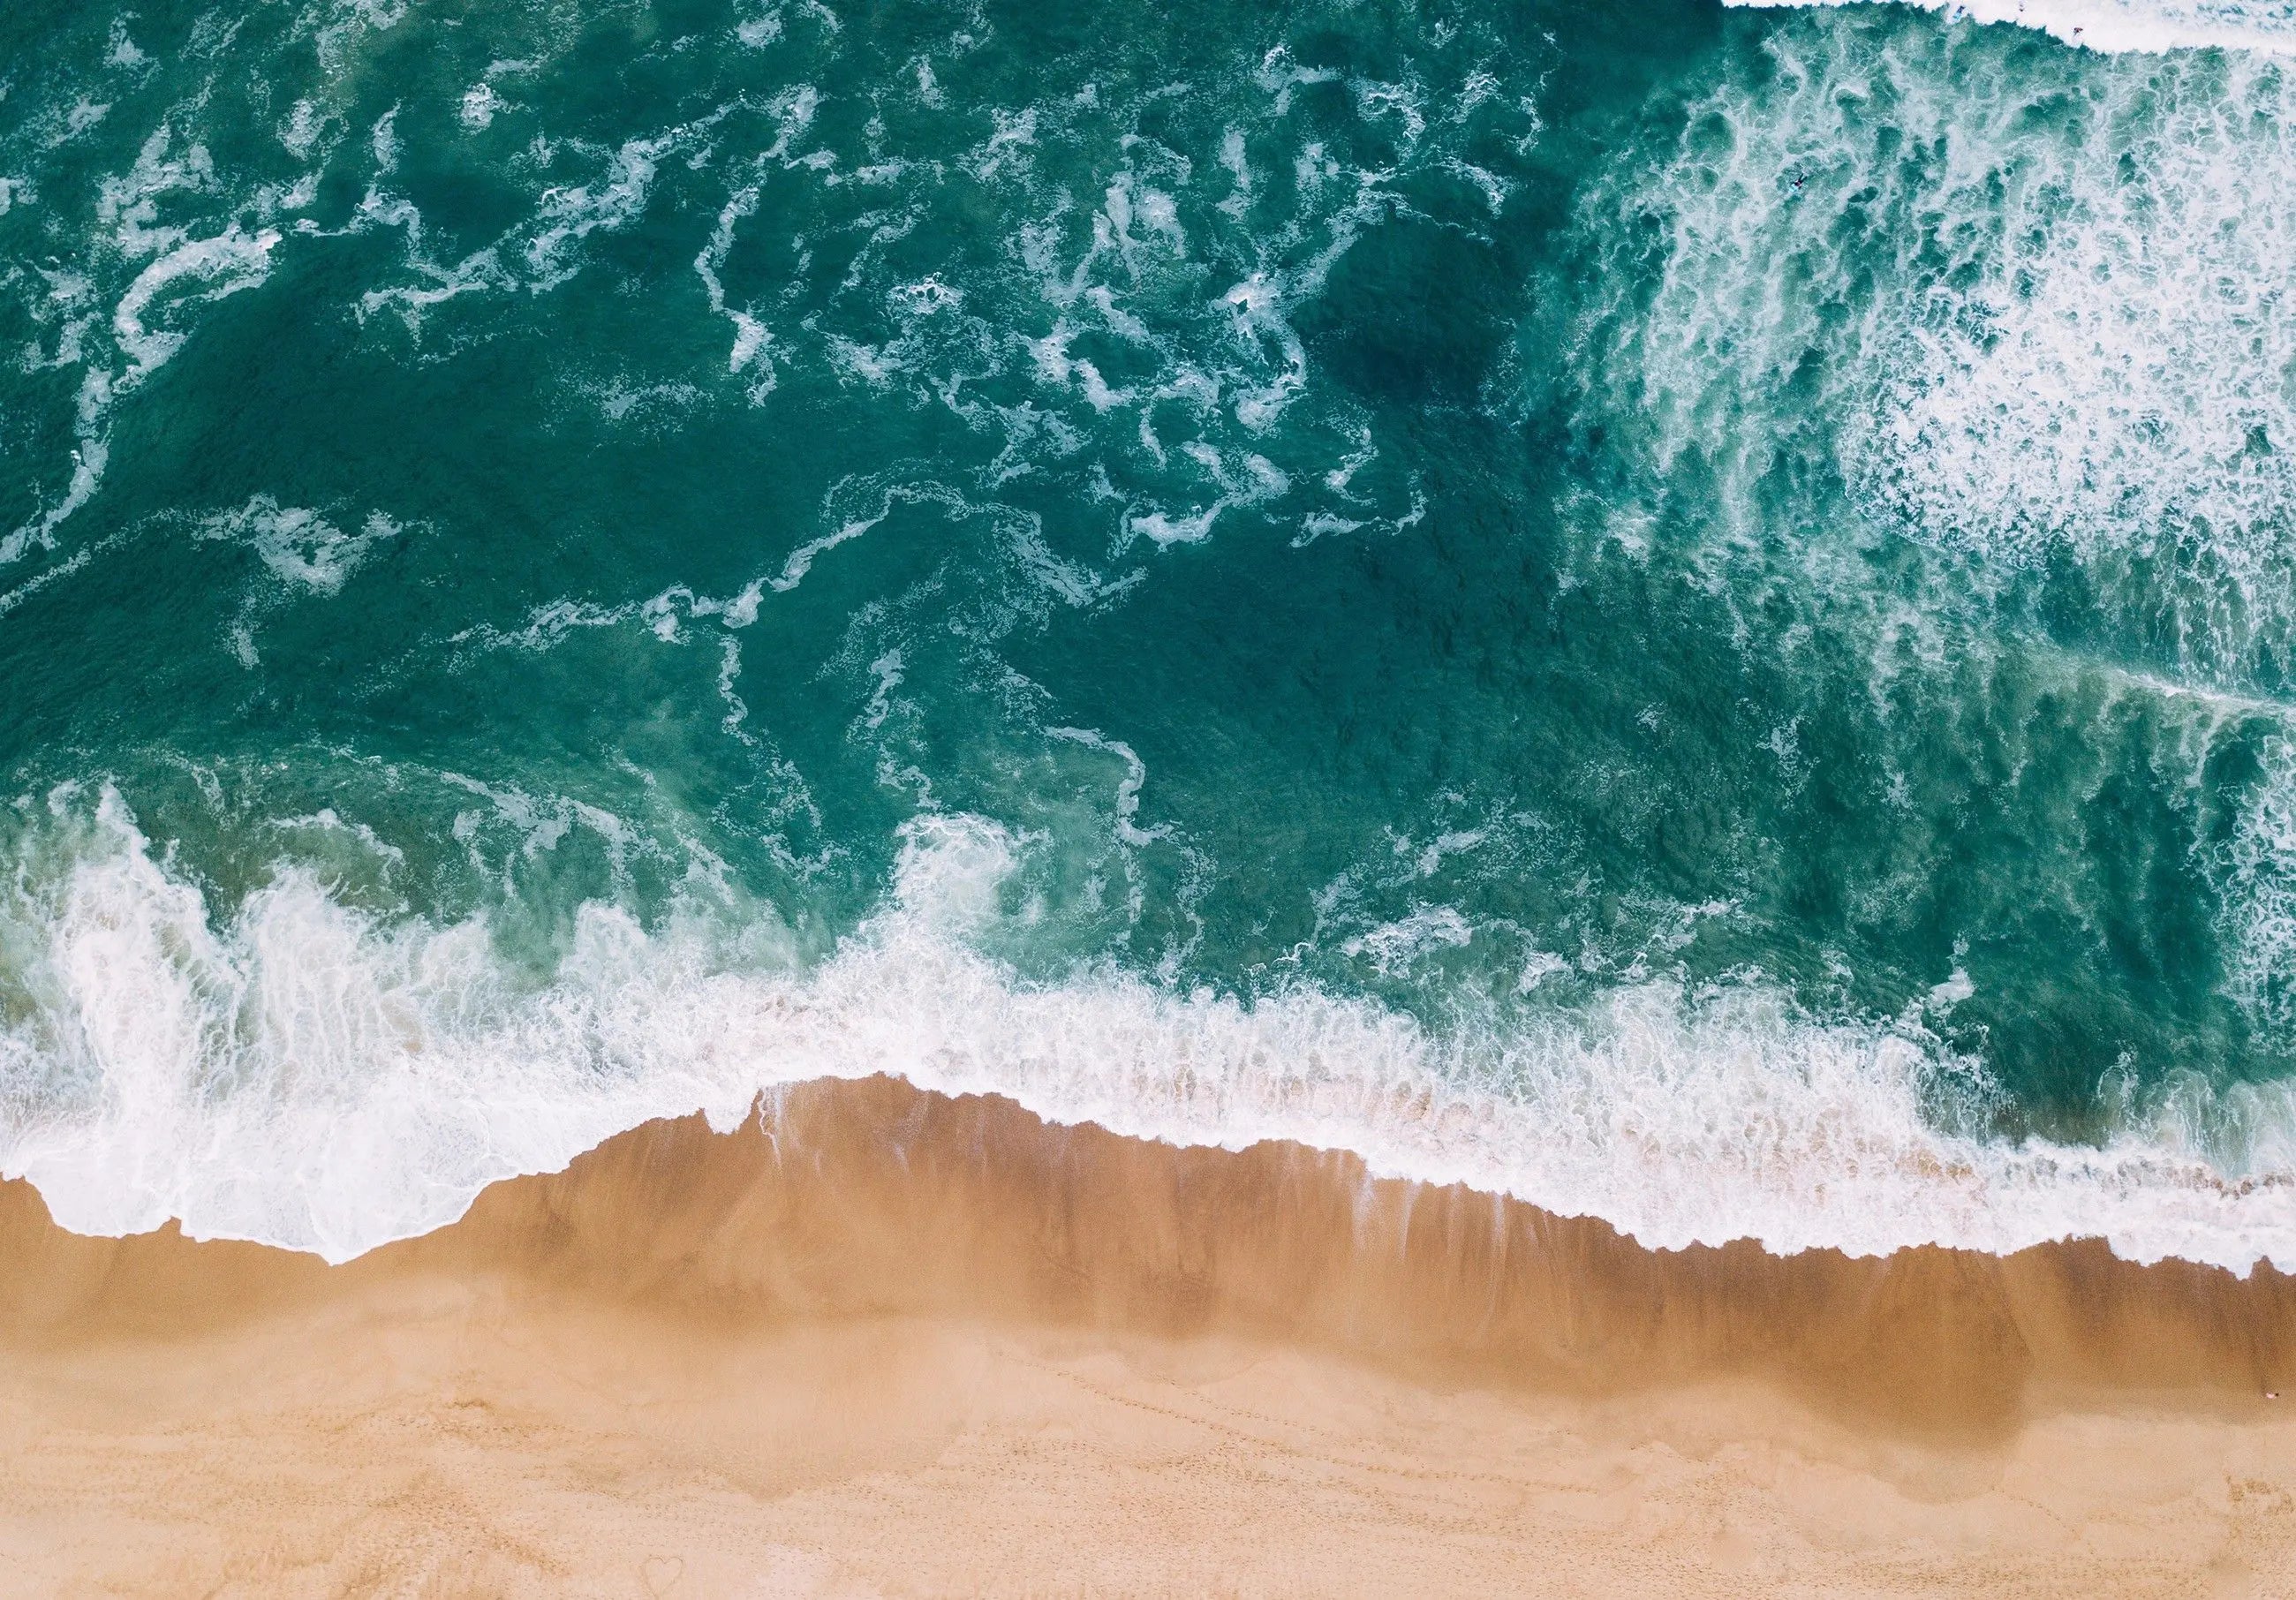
1686, 613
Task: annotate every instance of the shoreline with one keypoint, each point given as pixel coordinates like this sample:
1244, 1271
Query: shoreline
854, 1295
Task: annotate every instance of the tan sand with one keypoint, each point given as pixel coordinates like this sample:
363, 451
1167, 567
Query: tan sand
912, 1345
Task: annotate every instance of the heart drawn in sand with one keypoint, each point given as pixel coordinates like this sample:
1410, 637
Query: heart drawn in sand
661, 1571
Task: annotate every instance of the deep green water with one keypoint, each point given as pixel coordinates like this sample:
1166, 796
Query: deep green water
1686, 613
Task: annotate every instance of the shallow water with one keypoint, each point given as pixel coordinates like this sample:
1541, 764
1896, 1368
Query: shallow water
1680, 612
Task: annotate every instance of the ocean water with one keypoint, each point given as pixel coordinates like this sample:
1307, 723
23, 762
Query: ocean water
1686, 613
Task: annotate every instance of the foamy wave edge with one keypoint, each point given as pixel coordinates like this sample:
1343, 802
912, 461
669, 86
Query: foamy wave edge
311, 1078
2103, 25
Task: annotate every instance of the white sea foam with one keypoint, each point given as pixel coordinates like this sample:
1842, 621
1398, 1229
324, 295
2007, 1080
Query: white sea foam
1127, 788
2259, 904
2038, 317
300, 547
571, 213
225, 265
302, 1073
180, 271
544, 251
2150, 26
751, 336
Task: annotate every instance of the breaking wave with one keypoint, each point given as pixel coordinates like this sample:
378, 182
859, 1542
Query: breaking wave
311, 1076
2133, 26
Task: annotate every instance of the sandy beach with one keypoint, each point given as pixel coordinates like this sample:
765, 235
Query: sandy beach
900, 1344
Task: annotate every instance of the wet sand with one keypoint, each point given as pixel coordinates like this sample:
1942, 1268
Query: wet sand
885, 1342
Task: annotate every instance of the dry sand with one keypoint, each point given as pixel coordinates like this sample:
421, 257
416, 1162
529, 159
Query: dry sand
902, 1344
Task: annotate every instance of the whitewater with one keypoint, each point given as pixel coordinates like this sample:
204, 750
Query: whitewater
309, 1080
2121, 25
